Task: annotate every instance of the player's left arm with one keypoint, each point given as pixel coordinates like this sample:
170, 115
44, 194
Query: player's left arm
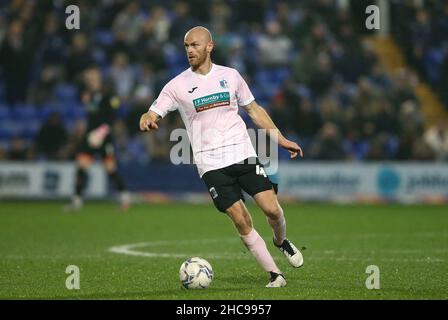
263, 121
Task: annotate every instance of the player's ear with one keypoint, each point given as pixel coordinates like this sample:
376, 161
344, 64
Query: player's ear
210, 46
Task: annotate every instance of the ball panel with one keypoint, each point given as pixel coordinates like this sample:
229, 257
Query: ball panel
196, 273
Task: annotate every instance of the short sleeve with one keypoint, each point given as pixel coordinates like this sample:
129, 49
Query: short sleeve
243, 93
164, 103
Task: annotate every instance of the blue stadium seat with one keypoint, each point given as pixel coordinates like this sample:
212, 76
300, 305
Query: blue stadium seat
262, 95
44, 112
72, 111
100, 57
23, 112
2, 91
4, 143
104, 37
279, 75
9, 128
4, 112
66, 92
262, 77
124, 109
4, 133
30, 132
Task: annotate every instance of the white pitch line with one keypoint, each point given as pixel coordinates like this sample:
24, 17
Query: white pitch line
129, 249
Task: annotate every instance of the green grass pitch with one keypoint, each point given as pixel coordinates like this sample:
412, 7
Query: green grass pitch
38, 241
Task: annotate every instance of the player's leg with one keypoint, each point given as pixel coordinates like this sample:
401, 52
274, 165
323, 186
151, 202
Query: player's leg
255, 182
107, 151
268, 202
83, 162
227, 198
115, 177
242, 220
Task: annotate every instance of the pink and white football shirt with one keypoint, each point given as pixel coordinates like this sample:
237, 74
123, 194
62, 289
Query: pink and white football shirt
208, 105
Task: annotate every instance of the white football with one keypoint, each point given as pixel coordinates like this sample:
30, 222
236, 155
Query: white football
196, 273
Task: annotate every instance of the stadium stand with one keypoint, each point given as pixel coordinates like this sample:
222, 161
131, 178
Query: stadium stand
305, 61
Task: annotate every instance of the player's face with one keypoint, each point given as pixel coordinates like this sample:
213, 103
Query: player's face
197, 49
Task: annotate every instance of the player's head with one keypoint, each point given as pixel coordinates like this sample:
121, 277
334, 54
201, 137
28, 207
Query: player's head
198, 44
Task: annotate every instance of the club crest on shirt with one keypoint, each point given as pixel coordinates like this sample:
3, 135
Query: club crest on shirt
223, 83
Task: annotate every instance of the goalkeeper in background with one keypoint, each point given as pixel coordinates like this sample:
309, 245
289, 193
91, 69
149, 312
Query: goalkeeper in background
101, 108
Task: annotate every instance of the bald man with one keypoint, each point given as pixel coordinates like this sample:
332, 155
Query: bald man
208, 96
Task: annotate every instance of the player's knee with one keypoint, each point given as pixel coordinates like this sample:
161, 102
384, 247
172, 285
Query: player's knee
273, 211
241, 220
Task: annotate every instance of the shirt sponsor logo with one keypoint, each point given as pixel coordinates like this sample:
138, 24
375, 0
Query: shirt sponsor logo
215, 100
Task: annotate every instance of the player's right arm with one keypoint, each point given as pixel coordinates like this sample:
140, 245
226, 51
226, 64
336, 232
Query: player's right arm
148, 121
164, 104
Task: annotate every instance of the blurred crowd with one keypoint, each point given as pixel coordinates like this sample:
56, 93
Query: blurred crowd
305, 62
420, 27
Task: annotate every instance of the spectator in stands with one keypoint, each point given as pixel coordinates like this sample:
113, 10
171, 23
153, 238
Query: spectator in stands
149, 50
223, 41
123, 76
308, 120
182, 21
281, 113
334, 76
323, 77
421, 151
130, 21
410, 119
274, 38
436, 138
160, 24
79, 58
220, 14
3, 154
53, 43
328, 144
52, 138
288, 17
403, 87
405, 145
305, 65
376, 149
41, 91
18, 150
331, 111
421, 35
251, 11
15, 60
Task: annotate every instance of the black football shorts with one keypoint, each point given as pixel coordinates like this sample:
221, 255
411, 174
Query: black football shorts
225, 185
106, 149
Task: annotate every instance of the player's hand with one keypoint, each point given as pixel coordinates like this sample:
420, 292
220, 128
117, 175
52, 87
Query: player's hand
147, 123
293, 148
96, 137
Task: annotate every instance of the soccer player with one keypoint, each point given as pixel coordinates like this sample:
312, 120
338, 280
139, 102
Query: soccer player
207, 96
101, 108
